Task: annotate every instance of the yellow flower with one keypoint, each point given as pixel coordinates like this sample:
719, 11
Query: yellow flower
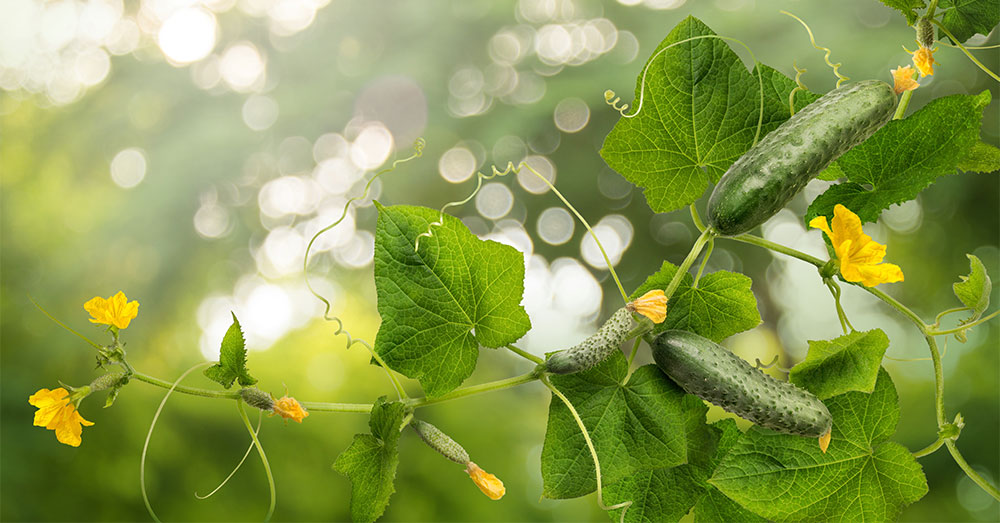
289, 408
488, 483
903, 81
116, 310
860, 257
652, 305
55, 412
923, 58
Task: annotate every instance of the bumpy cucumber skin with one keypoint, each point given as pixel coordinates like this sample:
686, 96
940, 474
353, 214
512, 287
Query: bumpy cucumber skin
440, 441
713, 373
772, 172
594, 349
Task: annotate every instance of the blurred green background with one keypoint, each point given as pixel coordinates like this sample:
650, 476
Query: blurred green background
184, 151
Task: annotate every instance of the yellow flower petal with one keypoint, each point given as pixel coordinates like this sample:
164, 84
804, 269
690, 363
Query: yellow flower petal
488, 483
923, 58
289, 408
55, 412
652, 305
902, 79
116, 310
860, 257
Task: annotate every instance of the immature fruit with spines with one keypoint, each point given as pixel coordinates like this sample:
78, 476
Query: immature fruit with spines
771, 173
594, 349
440, 441
714, 374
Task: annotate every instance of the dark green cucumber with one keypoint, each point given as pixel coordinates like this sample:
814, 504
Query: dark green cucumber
714, 374
594, 349
772, 172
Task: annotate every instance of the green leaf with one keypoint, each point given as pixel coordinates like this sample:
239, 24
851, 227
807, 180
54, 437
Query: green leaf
440, 304
965, 18
635, 426
862, 477
848, 363
370, 461
721, 305
907, 7
714, 507
232, 360
974, 289
698, 114
981, 158
831, 173
904, 157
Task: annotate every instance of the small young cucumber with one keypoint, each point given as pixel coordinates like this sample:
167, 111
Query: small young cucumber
594, 349
772, 172
714, 374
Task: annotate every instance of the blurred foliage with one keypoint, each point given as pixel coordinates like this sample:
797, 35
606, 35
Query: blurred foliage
69, 234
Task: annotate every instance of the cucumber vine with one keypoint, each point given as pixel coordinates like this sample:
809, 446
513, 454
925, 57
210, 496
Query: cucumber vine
628, 432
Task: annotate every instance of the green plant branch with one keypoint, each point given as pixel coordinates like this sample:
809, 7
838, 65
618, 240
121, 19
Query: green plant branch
942, 314
704, 262
904, 102
475, 389
984, 319
969, 471
706, 236
929, 449
524, 354
186, 390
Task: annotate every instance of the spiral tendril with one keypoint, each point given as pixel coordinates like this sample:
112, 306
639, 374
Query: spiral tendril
799, 86
826, 58
418, 151
512, 169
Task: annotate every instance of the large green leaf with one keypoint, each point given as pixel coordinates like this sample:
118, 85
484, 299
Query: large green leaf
634, 426
721, 305
439, 304
232, 360
370, 461
861, 477
965, 18
848, 363
699, 112
904, 157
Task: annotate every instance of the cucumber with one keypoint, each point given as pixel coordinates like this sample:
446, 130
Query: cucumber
594, 349
772, 172
714, 374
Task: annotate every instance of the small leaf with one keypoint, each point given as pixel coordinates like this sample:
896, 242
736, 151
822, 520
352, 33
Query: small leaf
232, 360
370, 461
721, 305
965, 18
848, 363
439, 304
862, 476
831, 173
905, 157
907, 7
633, 427
974, 289
699, 113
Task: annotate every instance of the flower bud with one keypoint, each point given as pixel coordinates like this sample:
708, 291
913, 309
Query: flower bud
652, 305
440, 442
257, 398
289, 408
488, 483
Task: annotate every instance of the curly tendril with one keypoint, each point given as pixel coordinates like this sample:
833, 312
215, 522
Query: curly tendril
826, 58
512, 169
799, 86
418, 151
260, 418
612, 99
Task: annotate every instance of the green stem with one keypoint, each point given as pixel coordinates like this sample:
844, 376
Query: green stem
705, 237
761, 242
631, 358
904, 102
263, 458
930, 9
697, 219
186, 390
969, 471
524, 354
474, 389
961, 328
938, 380
939, 317
900, 307
704, 262
966, 51
320, 406
929, 449
63, 325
